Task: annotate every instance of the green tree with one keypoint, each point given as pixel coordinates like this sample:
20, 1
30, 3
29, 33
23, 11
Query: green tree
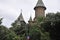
37, 32
51, 25
19, 29
6, 34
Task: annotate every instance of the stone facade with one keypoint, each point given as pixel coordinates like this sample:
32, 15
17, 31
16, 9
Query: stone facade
39, 12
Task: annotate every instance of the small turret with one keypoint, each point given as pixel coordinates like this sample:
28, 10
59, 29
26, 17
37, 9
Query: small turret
30, 20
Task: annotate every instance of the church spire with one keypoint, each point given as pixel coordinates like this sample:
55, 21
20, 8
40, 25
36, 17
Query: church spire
40, 4
20, 18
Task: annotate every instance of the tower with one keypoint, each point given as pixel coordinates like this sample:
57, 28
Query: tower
39, 9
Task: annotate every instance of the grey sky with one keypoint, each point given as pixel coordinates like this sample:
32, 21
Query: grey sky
10, 9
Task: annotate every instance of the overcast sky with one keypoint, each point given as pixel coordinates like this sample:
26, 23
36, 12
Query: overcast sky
10, 9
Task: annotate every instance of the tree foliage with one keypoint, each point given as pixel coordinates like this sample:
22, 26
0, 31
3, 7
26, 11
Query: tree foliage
6, 34
52, 25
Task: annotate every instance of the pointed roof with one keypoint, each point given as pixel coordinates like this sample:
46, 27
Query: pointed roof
20, 18
40, 4
30, 18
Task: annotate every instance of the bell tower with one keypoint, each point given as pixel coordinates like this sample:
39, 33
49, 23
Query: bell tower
39, 9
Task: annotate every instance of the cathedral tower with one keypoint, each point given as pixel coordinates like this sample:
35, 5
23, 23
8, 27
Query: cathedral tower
39, 9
